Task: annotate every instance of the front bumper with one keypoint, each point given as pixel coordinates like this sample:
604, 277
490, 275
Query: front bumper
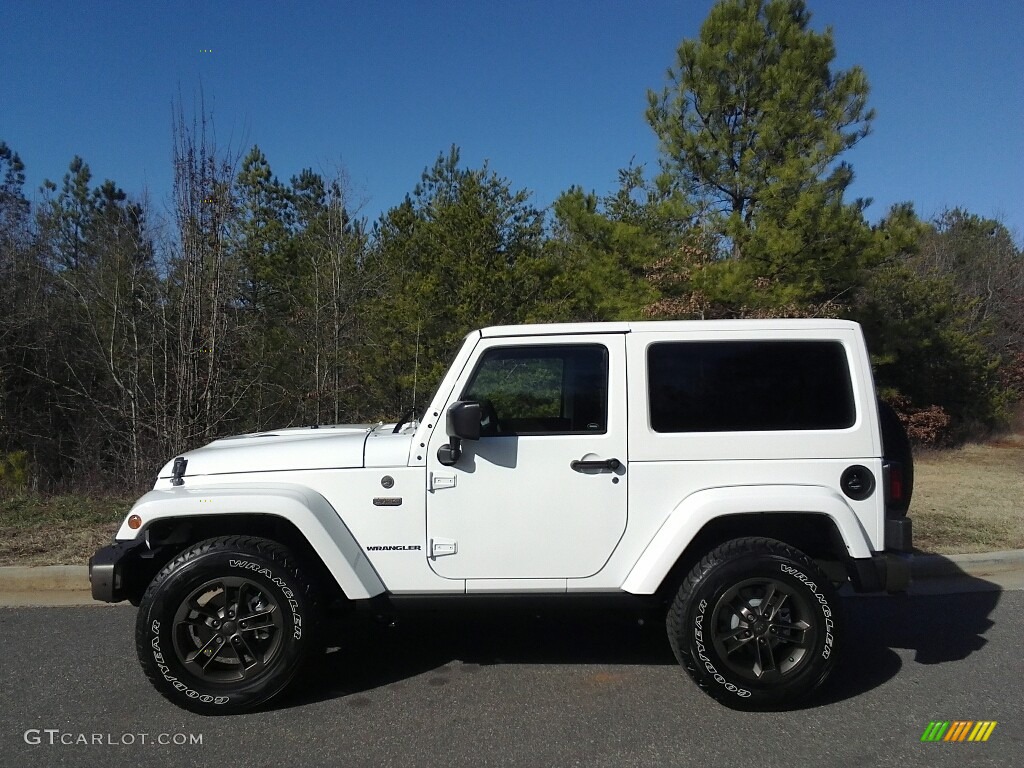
110, 570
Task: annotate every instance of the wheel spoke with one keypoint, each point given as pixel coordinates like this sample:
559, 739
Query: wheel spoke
733, 634
260, 620
773, 602
741, 642
205, 655
256, 663
766, 601
751, 612
797, 633
203, 611
765, 657
744, 613
228, 630
231, 596
199, 620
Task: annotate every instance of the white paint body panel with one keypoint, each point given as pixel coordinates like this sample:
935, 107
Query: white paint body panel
512, 513
517, 509
702, 507
298, 448
309, 511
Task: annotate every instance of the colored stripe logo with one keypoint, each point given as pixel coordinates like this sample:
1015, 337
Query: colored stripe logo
959, 730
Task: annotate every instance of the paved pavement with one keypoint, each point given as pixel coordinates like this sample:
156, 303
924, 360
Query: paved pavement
525, 690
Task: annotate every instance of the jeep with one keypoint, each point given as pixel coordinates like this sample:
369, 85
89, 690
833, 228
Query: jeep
735, 473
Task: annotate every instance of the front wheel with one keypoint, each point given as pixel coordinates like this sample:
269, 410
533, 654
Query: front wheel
755, 624
225, 625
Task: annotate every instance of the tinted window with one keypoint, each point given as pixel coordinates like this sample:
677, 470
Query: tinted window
749, 386
542, 390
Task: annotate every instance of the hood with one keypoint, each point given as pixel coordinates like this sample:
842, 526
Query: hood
334, 447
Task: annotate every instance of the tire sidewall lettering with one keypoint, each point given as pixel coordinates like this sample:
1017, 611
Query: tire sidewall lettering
165, 671
701, 649
826, 609
158, 652
281, 584
705, 662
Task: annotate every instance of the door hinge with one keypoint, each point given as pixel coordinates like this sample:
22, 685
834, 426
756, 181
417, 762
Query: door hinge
437, 482
442, 547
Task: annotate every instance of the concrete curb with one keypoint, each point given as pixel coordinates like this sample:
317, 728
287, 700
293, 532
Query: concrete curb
978, 565
44, 578
75, 578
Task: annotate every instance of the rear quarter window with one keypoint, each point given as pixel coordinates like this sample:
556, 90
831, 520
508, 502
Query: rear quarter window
749, 386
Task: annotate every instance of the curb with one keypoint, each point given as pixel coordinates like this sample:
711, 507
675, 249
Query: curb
75, 578
44, 578
977, 565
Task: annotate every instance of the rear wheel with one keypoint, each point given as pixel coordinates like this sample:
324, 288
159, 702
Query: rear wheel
226, 625
754, 624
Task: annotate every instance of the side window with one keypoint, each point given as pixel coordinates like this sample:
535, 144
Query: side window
542, 390
749, 386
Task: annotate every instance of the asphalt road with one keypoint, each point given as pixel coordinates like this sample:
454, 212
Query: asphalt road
525, 690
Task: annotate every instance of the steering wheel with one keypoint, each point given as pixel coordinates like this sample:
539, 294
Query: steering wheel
402, 421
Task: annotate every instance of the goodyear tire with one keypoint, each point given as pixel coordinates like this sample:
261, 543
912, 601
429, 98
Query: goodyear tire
225, 625
755, 624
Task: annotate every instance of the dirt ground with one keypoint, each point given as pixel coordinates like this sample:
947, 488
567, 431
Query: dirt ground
970, 499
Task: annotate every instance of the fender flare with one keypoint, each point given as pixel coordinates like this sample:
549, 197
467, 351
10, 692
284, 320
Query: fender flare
304, 508
700, 508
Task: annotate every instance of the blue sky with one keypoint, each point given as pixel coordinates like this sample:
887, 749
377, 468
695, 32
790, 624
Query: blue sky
550, 93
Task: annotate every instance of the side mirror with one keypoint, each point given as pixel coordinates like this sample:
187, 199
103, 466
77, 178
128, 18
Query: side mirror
462, 423
463, 420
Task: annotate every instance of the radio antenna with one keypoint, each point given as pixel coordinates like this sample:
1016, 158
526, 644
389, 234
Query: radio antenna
416, 369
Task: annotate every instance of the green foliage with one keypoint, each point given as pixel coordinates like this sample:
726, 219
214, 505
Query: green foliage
753, 110
922, 351
273, 303
986, 268
14, 471
926, 351
458, 254
751, 126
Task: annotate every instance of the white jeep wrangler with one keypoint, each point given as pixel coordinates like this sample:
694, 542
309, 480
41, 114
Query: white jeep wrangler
734, 471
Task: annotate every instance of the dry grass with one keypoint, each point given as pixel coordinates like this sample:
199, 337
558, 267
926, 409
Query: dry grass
56, 530
970, 499
966, 500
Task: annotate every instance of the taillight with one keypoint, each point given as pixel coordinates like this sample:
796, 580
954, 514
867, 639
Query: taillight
895, 481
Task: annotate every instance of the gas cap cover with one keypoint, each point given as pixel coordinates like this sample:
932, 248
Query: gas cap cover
857, 482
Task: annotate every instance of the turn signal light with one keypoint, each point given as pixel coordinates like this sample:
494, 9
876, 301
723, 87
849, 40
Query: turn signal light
134, 522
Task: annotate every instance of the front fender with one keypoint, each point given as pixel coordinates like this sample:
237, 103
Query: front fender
306, 509
700, 508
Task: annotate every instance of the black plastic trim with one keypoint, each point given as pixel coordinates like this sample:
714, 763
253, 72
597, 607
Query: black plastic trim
887, 572
899, 534
108, 569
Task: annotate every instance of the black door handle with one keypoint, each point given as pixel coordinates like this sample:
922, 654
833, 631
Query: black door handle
609, 464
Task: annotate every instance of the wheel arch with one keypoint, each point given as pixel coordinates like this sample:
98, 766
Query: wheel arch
813, 519
294, 516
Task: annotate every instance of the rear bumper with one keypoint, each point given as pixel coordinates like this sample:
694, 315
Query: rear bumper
109, 570
887, 571
884, 572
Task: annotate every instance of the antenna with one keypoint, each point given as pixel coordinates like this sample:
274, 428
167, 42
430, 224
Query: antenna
416, 369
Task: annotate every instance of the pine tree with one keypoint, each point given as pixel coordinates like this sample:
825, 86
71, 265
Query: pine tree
752, 125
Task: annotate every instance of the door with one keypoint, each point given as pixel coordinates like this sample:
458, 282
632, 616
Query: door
542, 493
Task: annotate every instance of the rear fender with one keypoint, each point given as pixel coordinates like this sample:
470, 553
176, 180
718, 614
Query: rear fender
700, 508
